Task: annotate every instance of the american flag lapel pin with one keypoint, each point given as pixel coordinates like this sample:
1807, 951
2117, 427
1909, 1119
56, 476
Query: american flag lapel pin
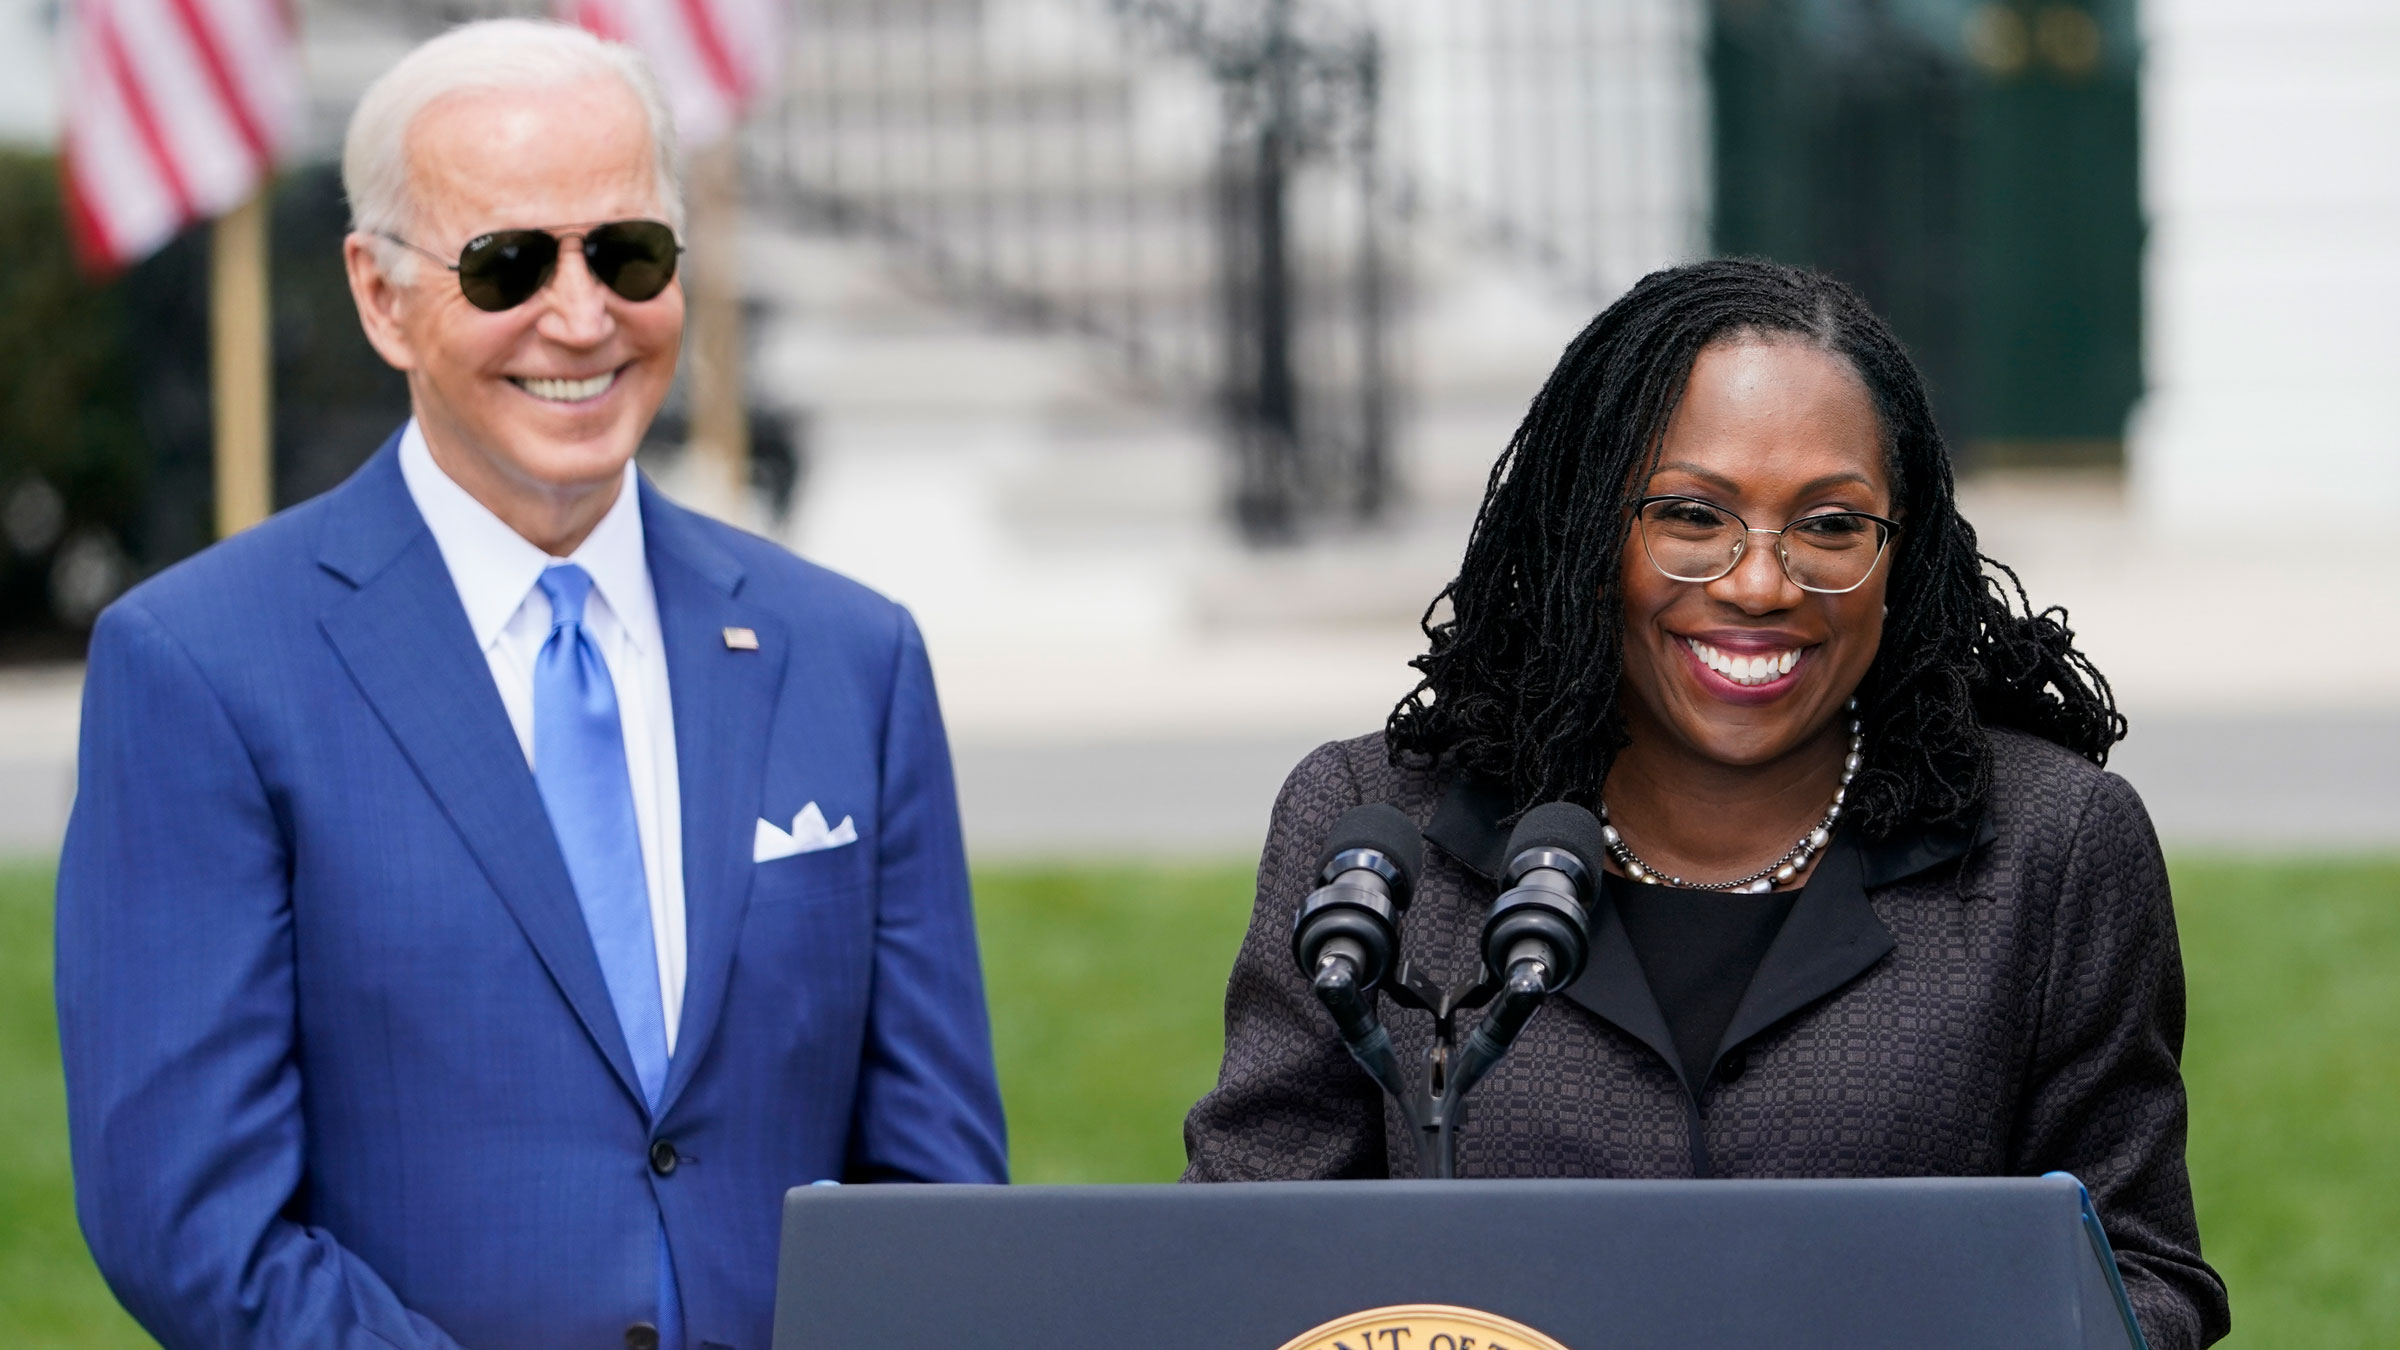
741, 640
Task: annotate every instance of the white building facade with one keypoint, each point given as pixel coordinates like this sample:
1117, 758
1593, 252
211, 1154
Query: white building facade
2271, 180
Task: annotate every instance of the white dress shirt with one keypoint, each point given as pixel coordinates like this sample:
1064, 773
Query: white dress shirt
495, 570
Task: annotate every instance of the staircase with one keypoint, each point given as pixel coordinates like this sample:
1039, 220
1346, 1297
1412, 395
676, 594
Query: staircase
987, 265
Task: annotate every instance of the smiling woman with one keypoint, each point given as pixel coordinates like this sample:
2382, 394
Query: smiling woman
1873, 906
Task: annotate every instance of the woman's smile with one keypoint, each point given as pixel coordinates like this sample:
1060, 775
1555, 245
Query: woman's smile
1747, 670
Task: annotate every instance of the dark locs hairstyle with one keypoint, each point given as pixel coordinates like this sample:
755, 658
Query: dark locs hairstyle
1520, 680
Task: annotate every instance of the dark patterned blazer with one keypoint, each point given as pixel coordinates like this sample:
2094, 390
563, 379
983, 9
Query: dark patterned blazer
1999, 1001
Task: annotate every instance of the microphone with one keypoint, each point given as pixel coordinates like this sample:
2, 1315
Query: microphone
1365, 877
1545, 914
1348, 929
1539, 932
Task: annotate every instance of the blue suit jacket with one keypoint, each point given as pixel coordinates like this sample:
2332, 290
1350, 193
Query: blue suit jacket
341, 1067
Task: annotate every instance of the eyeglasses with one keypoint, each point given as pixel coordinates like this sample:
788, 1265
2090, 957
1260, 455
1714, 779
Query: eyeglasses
1692, 540
506, 268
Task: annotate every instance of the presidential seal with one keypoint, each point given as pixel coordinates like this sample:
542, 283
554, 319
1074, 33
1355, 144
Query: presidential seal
1422, 1326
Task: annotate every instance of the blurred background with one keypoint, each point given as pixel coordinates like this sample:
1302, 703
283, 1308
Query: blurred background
1156, 353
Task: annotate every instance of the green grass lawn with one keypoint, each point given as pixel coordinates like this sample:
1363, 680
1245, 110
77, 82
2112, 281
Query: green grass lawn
49, 1293
1105, 986
2293, 1061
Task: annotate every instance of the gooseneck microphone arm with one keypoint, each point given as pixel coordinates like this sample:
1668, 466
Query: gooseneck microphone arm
1534, 944
1336, 986
1521, 996
1539, 931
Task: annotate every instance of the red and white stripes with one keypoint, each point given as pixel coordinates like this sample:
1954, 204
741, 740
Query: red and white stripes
712, 56
176, 110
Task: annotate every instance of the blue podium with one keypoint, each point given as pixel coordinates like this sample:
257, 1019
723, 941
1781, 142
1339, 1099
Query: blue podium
2008, 1264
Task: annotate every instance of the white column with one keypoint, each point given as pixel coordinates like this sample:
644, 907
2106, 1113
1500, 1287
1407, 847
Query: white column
28, 74
2271, 178
1586, 120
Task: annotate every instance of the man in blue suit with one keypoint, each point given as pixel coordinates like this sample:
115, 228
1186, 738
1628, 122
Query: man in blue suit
492, 885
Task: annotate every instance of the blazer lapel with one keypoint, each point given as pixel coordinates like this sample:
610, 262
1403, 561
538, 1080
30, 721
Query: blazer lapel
1921, 849
1614, 989
404, 638
724, 698
1831, 937
1466, 825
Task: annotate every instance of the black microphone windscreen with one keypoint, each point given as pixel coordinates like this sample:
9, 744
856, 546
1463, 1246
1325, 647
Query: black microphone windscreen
1381, 827
1564, 826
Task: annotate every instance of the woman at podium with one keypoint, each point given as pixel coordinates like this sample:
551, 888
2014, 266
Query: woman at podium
1873, 907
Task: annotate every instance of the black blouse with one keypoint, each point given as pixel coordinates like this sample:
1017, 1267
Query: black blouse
1698, 950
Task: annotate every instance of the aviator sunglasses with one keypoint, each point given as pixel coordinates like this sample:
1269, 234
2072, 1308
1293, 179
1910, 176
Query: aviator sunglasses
506, 268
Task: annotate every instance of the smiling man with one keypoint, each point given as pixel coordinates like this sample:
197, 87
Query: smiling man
491, 885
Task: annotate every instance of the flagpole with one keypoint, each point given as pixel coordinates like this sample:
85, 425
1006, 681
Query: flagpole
240, 372
720, 425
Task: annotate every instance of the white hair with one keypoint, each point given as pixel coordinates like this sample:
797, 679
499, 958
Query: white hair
489, 55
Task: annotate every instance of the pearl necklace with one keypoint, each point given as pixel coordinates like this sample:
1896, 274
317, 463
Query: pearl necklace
1794, 861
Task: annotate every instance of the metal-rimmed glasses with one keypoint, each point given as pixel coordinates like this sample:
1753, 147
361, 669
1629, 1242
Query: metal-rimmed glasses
1830, 553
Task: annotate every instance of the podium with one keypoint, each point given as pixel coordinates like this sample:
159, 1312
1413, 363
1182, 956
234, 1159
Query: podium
1453, 1265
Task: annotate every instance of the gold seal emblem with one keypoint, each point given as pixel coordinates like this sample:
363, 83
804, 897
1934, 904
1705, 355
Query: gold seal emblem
1422, 1326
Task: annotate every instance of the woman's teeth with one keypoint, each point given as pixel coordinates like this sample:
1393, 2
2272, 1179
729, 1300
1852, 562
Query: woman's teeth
568, 391
1745, 669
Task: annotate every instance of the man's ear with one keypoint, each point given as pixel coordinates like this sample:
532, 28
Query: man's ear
379, 300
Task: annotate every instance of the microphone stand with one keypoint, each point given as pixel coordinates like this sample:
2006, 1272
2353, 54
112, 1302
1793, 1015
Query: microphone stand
1435, 1104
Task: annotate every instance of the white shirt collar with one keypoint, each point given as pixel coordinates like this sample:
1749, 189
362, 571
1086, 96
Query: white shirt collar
495, 568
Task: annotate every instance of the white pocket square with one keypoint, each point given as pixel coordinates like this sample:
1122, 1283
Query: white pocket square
807, 835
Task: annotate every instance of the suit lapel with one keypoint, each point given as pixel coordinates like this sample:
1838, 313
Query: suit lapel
724, 699
403, 636
1920, 849
1614, 989
1830, 939
1466, 825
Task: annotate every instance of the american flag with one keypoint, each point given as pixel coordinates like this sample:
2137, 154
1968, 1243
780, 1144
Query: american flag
176, 110
712, 56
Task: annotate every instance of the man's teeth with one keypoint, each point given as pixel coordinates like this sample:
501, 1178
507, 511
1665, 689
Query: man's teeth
1745, 669
568, 391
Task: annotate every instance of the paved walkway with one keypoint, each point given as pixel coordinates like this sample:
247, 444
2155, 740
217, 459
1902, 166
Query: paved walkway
2240, 784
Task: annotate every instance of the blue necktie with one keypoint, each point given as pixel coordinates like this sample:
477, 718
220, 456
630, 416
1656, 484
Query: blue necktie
579, 765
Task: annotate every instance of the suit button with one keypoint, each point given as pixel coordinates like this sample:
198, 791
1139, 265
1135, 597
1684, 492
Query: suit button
663, 1159
1730, 1068
641, 1336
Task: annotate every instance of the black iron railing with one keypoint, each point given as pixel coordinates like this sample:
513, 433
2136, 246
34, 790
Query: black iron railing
1190, 186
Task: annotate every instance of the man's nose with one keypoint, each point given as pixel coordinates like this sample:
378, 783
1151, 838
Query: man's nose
575, 310
1757, 584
